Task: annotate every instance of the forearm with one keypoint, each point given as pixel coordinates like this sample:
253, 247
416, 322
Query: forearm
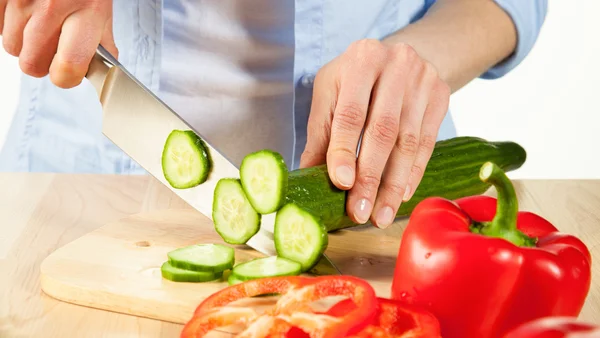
461, 38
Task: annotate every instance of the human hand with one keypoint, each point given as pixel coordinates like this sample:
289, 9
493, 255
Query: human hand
56, 37
400, 101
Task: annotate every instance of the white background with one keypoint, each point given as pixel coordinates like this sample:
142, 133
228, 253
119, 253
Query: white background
550, 104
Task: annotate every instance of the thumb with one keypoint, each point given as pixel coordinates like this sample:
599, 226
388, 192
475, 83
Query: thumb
319, 121
108, 40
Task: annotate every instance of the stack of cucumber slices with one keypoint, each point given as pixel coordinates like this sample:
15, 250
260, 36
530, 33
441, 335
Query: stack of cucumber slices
201, 263
238, 206
198, 263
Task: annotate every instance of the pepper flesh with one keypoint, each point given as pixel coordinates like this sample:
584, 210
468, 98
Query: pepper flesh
480, 285
292, 315
555, 327
393, 319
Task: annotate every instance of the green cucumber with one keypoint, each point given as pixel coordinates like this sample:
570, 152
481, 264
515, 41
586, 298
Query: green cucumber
185, 160
299, 236
452, 172
235, 219
174, 274
264, 177
232, 280
266, 267
203, 257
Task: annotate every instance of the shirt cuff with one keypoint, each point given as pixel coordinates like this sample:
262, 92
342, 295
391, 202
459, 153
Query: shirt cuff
528, 17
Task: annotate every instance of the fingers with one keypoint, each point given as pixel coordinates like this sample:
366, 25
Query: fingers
40, 38
2, 10
381, 132
108, 41
16, 16
358, 75
319, 121
79, 39
395, 181
434, 115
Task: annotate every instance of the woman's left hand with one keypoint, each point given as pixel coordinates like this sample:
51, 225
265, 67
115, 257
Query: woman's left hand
399, 100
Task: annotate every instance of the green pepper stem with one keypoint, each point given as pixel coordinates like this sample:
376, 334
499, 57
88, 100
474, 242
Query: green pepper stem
504, 224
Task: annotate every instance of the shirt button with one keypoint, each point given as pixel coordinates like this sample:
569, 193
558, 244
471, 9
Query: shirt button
307, 80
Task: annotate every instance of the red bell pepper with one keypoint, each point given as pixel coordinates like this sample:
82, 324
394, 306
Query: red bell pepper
555, 327
393, 319
292, 315
482, 268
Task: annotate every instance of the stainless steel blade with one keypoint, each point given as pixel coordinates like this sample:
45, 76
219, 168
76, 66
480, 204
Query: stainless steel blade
138, 122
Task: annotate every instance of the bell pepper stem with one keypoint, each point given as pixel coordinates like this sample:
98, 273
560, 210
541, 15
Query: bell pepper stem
504, 224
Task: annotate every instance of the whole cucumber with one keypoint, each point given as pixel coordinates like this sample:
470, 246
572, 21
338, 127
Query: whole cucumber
452, 172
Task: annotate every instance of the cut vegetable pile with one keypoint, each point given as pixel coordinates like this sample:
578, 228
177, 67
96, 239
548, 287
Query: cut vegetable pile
306, 203
446, 216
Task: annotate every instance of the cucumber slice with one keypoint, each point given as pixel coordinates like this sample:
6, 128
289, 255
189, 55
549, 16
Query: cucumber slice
299, 236
266, 267
233, 280
185, 160
203, 257
235, 219
174, 274
264, 177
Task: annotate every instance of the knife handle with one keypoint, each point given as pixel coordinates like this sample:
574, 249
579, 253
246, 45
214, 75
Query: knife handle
99, 68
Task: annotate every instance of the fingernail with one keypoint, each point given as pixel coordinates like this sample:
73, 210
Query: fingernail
362, 212
385, 217
406, 194
345, 175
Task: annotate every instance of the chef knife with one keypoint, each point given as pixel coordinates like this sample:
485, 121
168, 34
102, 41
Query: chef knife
138, 122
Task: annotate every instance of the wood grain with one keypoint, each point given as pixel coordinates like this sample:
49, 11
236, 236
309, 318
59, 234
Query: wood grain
117, 267
49, 211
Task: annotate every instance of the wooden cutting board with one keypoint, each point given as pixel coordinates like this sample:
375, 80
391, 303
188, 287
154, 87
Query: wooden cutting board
117, 267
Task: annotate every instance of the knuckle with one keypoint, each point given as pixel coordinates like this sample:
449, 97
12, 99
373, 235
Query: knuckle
408, 143
350, 116
21, 4
385, 129
394, 188
427, 142
342, 152
417, 170
10, 46
32, 68
368, 51
47, 7
405, 52
429, 71
369, 180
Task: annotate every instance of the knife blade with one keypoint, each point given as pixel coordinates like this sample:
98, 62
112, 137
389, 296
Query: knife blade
138, 122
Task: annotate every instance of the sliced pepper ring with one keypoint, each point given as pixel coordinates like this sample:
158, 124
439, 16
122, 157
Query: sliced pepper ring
295, 304
199, 326
393, 319
251, 288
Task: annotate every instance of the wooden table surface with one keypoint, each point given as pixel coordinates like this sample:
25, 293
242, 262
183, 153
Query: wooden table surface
48, 211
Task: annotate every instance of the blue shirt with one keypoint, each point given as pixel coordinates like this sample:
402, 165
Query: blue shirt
240, 72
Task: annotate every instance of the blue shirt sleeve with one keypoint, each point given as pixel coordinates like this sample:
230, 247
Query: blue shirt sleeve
528, 17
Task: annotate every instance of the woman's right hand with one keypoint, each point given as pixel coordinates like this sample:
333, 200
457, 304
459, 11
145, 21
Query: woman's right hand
56, 37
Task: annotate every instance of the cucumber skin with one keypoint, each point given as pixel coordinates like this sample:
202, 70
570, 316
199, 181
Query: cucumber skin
452, 172
191, 277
